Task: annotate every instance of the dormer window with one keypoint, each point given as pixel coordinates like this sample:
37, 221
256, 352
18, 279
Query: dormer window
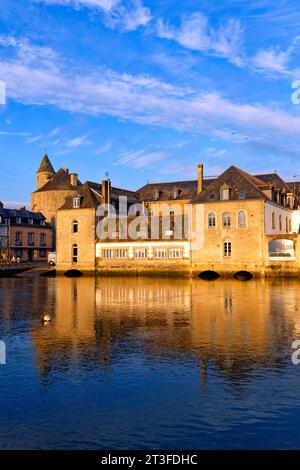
175, 193
212, 197
156, 195
76, 202
224, 193
18, 220
30, 221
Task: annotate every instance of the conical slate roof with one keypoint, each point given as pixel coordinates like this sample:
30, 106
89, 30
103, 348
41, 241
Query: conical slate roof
46, 165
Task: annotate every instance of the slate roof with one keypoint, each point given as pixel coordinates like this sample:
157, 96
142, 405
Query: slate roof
46, 165
60, 181
272, 179
238, 180
91, 196
187, 190
12, 214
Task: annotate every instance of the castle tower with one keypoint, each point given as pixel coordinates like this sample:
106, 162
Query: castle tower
45, 172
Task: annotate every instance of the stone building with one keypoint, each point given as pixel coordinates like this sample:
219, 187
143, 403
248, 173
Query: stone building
24, 234
52, 189
227, 224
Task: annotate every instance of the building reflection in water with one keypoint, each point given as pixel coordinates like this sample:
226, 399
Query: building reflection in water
233, 327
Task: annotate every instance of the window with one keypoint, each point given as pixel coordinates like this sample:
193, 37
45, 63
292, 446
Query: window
224, 193
290, 225
286, 224
42, 222
227, 248
242, 195
18, 240
18, 220
175, 193
108, 254
121, 253
30, 239
160, 253
75, 253
273, 221
156, 195
76, 202
43, 253
211, 220
212, 197
43, 239
280, 222
140, 253
175, 253
75, 226
242, 222
226, 220
30, 221
0, 219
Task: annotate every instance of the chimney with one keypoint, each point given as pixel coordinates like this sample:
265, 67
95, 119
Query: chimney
106, 189
200, 178
73, 179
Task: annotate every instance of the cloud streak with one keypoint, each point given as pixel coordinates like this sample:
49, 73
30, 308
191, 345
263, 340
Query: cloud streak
196, 34
125, 15
139, 99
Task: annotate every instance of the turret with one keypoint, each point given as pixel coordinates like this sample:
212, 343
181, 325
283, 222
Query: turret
45, 172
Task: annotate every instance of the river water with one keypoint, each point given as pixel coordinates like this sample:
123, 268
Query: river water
131, 363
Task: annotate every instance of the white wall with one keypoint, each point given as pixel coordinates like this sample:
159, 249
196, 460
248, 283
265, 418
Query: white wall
296, 221
283, 211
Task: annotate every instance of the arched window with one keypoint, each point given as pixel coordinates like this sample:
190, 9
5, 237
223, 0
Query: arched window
242, 219
74, 253
211, 220
273, 221
226, 220
280, 222
75, 226
227, 248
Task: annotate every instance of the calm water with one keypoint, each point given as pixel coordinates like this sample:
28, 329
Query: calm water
149, 364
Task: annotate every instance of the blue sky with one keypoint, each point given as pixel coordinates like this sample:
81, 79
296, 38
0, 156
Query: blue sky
146, 89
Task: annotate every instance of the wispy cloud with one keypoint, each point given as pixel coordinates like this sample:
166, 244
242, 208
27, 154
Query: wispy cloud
126, 15
140, 158
33, 139
140, 99
78, 142
196, 34
275, 61
105, 147
106, 5
15, 134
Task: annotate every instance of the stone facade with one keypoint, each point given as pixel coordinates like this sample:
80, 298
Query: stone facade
25, 235
233, 222
52, 189
82, 238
